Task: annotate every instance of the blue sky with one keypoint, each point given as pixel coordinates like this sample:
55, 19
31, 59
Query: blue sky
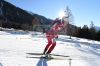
84, 11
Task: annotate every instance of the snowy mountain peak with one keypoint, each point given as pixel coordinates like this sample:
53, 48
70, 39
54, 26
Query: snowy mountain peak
97, 28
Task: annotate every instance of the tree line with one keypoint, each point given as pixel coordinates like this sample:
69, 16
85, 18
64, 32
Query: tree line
88, 33
81, 32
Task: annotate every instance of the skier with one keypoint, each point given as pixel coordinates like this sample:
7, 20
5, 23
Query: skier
51, 34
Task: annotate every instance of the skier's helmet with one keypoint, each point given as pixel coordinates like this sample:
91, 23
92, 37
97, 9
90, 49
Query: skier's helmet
57, 19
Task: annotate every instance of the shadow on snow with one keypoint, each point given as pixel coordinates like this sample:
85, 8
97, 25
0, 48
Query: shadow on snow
42, 62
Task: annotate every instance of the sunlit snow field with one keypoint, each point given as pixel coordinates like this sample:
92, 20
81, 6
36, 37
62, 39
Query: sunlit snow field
14, 49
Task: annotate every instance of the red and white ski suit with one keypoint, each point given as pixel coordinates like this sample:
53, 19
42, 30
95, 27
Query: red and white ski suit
52, 35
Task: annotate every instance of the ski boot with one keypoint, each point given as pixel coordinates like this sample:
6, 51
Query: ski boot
48, 56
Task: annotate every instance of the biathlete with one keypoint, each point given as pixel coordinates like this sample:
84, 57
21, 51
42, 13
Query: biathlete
51, 34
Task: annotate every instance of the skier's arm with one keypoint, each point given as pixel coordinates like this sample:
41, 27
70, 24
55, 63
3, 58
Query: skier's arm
63, 26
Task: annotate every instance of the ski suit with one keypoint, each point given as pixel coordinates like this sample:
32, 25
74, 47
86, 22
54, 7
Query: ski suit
51, 35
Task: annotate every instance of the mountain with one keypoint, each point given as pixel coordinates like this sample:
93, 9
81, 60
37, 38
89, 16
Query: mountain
15, 17
12, 16
43, 20
97, 28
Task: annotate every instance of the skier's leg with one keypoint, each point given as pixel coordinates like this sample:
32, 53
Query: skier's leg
49, 50
51, 47
48, 45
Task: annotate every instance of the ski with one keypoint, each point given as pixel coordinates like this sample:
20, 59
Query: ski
50, 54
40, 57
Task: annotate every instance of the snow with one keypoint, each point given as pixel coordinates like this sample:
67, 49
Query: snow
14, 49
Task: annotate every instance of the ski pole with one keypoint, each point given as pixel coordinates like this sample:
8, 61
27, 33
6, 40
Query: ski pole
70, 62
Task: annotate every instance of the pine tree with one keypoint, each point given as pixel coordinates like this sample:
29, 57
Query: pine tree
85, 32
98, 35
92, 31
69, 17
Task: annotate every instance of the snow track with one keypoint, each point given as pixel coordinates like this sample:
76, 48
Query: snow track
14, 49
